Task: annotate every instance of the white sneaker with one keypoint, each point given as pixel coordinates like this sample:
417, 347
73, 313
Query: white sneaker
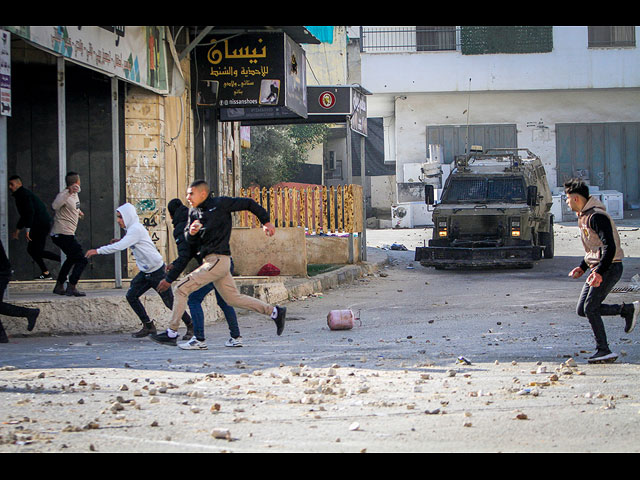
234, 342
193, 344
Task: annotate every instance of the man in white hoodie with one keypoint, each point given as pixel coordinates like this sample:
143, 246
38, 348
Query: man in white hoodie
603, 255
150, 264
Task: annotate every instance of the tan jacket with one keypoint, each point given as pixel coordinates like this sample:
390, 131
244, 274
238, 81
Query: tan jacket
590, 239
67, 208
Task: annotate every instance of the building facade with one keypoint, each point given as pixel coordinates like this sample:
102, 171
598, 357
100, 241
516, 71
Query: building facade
570, 94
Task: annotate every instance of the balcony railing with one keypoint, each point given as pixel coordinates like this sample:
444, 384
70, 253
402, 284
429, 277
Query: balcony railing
469, 40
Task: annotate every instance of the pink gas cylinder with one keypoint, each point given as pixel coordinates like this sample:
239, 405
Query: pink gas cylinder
342, 319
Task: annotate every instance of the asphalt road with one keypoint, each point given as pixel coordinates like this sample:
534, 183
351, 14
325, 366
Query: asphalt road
394, 383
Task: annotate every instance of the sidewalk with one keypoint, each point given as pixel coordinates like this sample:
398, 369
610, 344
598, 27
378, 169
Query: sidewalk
106, 310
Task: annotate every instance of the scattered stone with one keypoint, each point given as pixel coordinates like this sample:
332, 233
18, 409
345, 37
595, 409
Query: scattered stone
221, 433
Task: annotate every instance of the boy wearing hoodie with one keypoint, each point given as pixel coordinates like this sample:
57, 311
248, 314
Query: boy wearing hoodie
604, 257
150, 264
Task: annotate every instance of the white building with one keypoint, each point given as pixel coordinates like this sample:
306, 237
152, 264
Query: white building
570, 94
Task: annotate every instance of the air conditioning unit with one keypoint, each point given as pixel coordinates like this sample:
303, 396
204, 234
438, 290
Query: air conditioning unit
613, 201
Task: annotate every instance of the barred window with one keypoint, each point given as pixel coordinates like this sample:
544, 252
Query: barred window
605, 36
435, 38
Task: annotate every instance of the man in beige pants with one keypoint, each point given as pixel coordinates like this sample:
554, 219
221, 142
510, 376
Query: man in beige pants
209, 229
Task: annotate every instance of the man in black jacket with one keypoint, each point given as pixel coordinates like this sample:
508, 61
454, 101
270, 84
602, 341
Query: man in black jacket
209, 230
31, 314
186, 252
36, 221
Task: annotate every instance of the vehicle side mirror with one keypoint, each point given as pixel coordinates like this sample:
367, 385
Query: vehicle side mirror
428, 194
532, 195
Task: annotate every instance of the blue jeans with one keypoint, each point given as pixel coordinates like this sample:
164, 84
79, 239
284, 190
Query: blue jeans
197, 315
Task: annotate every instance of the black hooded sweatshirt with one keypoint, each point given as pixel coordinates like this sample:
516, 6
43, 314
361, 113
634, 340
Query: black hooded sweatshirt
186, 251
215, 215
33, 213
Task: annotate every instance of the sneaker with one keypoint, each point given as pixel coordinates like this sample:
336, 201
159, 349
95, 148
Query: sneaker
147, 329
72, 291
603, 356
631, 318
189, 334
164, 339
233, 342
280, 319
44, 276
59, 289
193, 344
31, 318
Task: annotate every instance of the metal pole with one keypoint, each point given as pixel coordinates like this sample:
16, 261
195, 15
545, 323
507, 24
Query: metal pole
349, 178
4, 190
363, 176
115, 158
62, 131
62, 128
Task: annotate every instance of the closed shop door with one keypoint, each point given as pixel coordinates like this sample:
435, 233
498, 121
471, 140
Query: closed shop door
453, 138
606, 154
33, 154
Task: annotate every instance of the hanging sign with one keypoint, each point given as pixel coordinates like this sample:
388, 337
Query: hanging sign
261, 70
5, 73
136, 54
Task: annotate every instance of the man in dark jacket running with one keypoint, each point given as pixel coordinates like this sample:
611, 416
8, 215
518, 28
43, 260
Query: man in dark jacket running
604, 257
31, 314
209, 230
186, 252
36, 221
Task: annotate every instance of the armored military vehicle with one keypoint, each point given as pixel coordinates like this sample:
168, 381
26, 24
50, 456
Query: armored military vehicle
494, 211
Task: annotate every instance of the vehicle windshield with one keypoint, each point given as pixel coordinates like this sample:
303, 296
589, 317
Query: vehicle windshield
485, 190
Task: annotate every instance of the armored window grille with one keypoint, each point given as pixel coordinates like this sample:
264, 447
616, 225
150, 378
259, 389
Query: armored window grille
467, 190
506, 190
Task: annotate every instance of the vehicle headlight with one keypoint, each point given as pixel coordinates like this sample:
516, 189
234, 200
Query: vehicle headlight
442, 228
515, 227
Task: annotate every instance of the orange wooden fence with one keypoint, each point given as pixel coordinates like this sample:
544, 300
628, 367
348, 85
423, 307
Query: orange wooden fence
318, 209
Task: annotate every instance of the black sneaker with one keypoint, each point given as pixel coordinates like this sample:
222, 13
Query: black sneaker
603, 356
31, 318
280, 319
146, 330
44, 276
630, 315
164, 339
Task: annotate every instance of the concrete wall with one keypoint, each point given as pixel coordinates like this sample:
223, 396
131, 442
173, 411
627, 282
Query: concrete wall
252, 249
328, 250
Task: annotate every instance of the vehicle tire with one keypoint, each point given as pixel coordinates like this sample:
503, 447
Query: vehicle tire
547, 240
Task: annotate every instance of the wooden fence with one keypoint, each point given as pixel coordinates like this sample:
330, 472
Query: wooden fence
318, 209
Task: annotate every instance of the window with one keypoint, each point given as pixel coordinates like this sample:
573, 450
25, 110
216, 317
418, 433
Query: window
604, 36
485, 190
435, 38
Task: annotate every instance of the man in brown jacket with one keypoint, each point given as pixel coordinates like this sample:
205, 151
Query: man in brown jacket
65, 222
604, 257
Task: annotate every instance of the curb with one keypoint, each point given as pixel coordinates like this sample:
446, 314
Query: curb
107, 311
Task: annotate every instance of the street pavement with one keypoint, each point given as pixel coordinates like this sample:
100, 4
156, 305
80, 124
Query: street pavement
441, 361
